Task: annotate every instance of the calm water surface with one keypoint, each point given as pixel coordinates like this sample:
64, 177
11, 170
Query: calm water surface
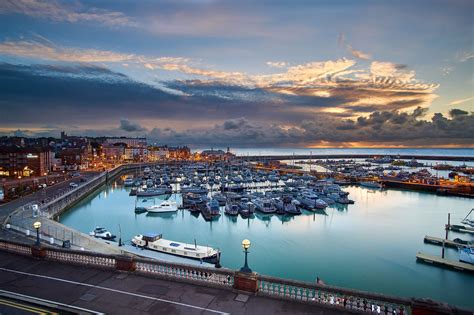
370, 245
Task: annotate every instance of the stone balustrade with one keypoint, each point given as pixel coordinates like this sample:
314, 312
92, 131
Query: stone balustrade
210, 276
222, 278
331, 296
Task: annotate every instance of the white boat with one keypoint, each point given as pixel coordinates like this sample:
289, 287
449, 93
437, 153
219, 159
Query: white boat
165, 206
129, 181
102, 233
154, 241
371, 185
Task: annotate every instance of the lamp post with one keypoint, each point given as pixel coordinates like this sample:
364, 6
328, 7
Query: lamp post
246, 246
37, 226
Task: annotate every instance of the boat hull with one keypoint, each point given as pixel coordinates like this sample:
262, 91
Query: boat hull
213, 259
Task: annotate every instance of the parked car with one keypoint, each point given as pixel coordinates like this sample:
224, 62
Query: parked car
73, 185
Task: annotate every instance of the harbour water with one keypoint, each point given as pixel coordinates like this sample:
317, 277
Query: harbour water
370, 245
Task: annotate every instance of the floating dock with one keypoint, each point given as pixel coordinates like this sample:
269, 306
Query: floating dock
439, 241
461, 228
445, 262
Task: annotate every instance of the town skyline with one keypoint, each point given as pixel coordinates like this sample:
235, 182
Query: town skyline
217, 73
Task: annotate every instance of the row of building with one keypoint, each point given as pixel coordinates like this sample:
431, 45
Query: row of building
24, 157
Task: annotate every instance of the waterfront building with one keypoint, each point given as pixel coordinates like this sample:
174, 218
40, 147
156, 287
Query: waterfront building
135, 154
130, 142
74, 158
16, 161
114, 151
158, 153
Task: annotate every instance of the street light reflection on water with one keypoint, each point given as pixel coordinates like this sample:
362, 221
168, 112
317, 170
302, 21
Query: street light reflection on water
370, 245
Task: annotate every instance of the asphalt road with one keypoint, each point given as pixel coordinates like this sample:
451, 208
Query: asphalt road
38, 196
121, 293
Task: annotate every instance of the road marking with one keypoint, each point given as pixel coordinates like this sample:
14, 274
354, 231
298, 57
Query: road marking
24, 307
47, 303
114, 290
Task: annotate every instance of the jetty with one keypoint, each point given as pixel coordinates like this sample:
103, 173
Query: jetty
439, 241
431, 259
460, 228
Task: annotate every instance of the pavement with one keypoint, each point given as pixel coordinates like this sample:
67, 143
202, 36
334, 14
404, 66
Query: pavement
95, 290
7, 208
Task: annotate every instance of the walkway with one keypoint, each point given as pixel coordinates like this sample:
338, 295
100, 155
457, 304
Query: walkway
121, 293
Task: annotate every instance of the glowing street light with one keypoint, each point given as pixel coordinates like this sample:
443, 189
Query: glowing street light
246, 246
37, 226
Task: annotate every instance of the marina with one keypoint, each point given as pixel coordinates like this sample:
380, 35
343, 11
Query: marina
362, 230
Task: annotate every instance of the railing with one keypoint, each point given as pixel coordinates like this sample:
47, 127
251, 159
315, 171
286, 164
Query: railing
331, 296
80, 258
212, 276
17, 248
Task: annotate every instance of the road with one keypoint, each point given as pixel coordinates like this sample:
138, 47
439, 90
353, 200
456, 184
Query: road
7, 208
121, 293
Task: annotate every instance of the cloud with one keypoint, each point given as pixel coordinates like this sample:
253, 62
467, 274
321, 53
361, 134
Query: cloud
130, 126
460, 101
358, 54
464, 56
457, 113
72, 12
379, 128
391, 70
277, 64
49, 51
342, 42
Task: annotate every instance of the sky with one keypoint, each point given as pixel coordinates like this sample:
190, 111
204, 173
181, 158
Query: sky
241, 73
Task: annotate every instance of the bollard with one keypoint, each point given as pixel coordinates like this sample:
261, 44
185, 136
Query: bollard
27, 232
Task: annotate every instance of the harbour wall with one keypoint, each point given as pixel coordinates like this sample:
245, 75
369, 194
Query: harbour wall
354, 156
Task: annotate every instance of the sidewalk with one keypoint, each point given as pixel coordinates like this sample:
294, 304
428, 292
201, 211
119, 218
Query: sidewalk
121, 293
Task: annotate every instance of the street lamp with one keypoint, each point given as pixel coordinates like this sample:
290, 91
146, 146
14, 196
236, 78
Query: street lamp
246, 246
37, 226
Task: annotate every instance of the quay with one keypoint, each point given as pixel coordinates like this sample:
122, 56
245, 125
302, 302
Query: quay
445, 262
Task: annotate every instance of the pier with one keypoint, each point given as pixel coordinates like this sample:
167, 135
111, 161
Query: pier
439, 241
445, 262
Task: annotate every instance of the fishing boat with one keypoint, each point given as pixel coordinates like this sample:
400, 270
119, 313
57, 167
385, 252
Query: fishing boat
155, 241
165, 206
371, 184
100, 232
